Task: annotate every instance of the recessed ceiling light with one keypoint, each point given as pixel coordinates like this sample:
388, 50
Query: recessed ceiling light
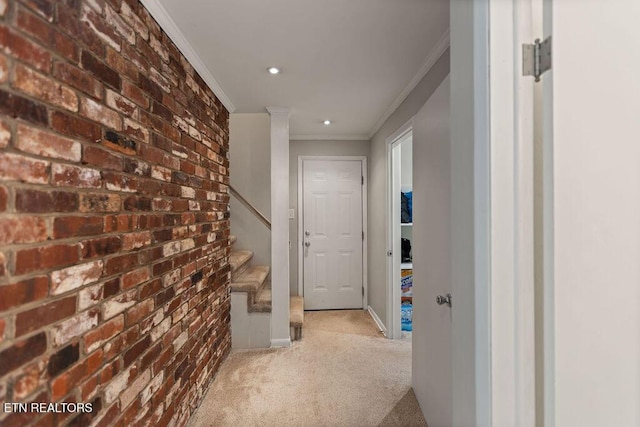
327, 122
274, 70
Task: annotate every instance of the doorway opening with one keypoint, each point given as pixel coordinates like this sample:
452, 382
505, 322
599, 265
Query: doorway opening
400, 233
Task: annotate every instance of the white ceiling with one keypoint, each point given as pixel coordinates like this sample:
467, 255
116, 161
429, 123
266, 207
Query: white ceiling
350, 61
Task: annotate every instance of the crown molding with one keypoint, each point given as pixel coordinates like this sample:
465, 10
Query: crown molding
160, 14
301, 137
279, 110
441, 46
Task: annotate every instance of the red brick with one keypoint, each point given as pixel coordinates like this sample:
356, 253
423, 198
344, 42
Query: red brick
121, 104
139, 311
100, 114
101, 158
74, 226
34, 201
74, 176
78, 79
44, 314
43, 8
121, 263
100, 247
45, 257
18, 107
101, 71
136, 240
99, 202
67, 382
22, 352
14, 167
121, 27
134, 278
42, 143
67, 124
4, 198
74, 277
24, 292
48, 90
134, 21
103, 333
32, 377
23, 229
135, 94
75, 326
25, 50
4, 69
3, 264
120, 223
135, 130
119, 304
91, 19
3, 326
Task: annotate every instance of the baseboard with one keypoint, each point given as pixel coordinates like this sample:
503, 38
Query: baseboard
376, 319
282, 342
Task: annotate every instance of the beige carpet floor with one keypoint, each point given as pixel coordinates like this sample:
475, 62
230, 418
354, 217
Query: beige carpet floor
342, 373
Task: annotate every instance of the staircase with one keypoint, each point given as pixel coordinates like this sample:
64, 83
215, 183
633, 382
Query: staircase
251, 303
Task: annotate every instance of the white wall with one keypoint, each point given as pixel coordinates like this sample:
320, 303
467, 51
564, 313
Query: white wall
250, 175
431, 366
312, 148
378, 216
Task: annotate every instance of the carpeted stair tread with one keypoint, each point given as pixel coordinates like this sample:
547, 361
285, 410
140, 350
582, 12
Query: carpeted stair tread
296, 311
238, 259
251, 279
232, 239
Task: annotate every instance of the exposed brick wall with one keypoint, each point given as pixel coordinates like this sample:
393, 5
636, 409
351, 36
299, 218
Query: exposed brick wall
114, 276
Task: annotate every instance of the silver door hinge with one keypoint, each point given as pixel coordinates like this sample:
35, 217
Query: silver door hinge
363, 291
361, 179
363, 235
536, 58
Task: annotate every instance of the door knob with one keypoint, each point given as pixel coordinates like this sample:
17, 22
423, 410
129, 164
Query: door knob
442, 300
307, 233
307, 243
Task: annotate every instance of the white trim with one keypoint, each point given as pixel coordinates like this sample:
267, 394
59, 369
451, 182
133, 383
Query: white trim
393, 293
376, 319
279, 110
280, 343
365, 262
441, 46
318, 137
168, 25
511, 219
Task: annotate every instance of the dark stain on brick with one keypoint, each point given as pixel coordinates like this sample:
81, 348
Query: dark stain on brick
127, 144
196, 277
63, 359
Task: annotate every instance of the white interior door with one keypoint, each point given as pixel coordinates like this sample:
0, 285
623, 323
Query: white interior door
432, 234
333, 234
592, 214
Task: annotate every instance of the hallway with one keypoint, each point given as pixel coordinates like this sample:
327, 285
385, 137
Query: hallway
342, 373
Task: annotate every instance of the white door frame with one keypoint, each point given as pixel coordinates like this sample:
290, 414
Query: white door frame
363, 161
393, 329
510, 210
